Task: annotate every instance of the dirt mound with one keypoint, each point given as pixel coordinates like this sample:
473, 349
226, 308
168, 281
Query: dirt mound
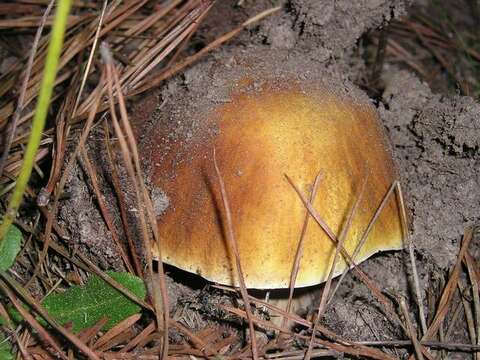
437, 146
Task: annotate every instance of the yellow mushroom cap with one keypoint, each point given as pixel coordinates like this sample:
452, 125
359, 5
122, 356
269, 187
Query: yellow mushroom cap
260, 135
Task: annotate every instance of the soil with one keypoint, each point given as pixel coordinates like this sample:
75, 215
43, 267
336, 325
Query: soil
437, 147
435, 141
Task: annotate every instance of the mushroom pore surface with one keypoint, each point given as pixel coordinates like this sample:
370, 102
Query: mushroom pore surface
260, 135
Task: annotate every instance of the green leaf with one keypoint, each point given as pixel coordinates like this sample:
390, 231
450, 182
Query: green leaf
83, 306
5, 349
10, 247
14, 314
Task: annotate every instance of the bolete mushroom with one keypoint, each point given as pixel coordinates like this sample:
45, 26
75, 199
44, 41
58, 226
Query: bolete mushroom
265, 129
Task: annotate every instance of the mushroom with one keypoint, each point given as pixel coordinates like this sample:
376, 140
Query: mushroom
268, 128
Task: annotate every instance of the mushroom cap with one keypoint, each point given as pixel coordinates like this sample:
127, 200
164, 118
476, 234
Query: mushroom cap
262, 133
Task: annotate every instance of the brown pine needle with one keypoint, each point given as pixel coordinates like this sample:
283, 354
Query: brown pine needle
116, 330
115, 178
139, 338
238, 265
87, 334
44, 334
132, 163
471, 266
299, 251
367, 231
361, 275
158, 79
326, 289
449, 290
411, 329
351, 348
411, 252
92, 173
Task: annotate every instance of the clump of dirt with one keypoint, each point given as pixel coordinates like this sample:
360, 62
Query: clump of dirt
337, 25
